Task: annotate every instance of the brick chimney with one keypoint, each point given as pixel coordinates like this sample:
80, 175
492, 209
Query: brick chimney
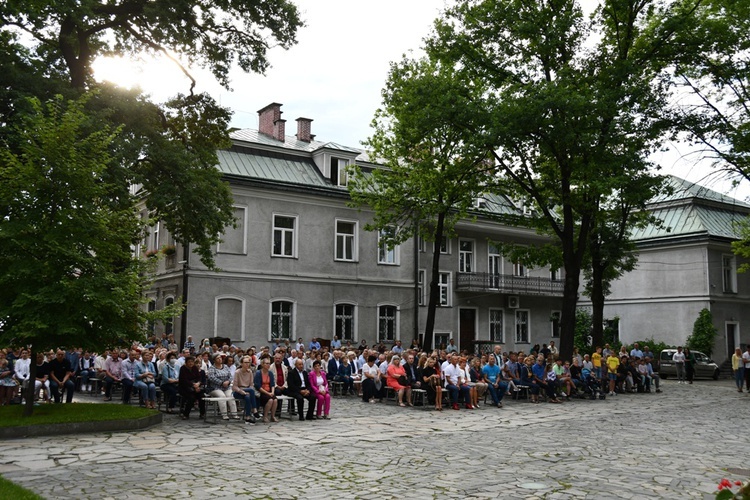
303, 130
270, 122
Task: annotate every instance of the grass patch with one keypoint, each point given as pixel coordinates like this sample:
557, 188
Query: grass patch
12, 490
12, 416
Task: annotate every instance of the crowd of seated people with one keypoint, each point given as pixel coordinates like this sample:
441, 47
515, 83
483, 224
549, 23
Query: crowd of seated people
307, 375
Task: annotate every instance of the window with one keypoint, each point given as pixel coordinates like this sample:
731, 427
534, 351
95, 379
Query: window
519, 270
339, 175
282, 319
421, 244
346, 240
229, 317
441, 339
465, 256
386, 255
421, 287
387, 323
555, 322
496, 326
344, 321
729, 273
284, 240
153, 244
522, 326
151, 323
554, 274
445, 245
444, 285
169, 323
494, 266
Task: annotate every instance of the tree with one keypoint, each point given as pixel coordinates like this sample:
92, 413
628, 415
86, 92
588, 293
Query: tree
568, 117
433, 172
68, 216
704, 333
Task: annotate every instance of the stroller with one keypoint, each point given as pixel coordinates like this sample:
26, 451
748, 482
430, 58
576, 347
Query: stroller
591, 385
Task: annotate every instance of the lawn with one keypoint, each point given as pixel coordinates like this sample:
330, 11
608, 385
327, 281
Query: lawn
11, 490
11, 416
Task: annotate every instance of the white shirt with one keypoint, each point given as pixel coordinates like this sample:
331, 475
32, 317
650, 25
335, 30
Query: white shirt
22, 368
746, 359
452, 372
371, 370
678, 357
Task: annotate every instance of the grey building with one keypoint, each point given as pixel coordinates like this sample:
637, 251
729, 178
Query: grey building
685, 265
299, 264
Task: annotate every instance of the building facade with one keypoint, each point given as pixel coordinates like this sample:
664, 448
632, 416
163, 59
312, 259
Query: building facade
299, 263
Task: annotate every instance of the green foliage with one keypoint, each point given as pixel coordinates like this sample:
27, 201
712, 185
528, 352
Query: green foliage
704, 333
67, 275
583, 331
655, 346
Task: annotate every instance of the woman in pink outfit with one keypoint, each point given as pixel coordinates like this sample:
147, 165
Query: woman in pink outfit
319, 387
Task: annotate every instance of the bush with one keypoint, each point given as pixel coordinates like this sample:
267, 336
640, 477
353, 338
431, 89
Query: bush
704, 333
654, 346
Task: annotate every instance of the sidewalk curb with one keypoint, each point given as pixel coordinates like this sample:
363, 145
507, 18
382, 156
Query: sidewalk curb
81, 427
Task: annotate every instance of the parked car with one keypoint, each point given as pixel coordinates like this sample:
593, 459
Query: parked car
704, 366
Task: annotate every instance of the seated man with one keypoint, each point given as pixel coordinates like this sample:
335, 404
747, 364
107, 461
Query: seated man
452, 373
497, 388
655, 379
644, 376
128, 375
297, 388
61, 377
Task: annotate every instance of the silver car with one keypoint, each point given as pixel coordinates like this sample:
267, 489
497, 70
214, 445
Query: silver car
704, 366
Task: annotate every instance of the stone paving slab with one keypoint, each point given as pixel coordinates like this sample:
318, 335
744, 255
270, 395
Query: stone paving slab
677, 444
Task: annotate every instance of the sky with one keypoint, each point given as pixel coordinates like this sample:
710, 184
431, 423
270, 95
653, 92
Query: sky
335, 73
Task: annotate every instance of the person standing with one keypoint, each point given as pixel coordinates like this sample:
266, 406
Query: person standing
689, 365
738, 368
678, 359
746, 361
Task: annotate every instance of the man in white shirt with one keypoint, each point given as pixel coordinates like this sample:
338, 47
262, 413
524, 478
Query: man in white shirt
452, 373
678, 359
746, 360
22, 369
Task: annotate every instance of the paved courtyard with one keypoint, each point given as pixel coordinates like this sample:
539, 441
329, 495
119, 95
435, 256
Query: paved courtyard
677, 444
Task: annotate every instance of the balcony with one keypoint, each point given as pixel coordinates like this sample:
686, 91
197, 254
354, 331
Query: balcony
506, 283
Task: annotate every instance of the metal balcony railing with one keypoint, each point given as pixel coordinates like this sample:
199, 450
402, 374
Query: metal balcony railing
507, 283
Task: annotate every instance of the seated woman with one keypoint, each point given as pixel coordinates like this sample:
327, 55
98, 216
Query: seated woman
431, 383
242, 388
394, 379
464, 381
190, 386
145, 379
345, 376
319, 387
527, 378
475, 374
219, 386
170, 381
265, 383
540, 372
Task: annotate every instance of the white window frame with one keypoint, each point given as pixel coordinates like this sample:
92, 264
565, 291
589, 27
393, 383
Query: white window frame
445, 245
729, 273
342, 172
441, 333
292, 252
422, 286
242, 319
397, 322
353, 317
554, 322
341, 239
293, 318
445, 282
520, 270
555, 274
466, 257
387, 257
492, 325
154, 243
520, 327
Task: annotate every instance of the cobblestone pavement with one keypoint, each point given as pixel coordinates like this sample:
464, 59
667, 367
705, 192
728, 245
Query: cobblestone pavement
677, 444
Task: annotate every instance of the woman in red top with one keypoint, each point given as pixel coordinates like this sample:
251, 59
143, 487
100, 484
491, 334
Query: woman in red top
395, 370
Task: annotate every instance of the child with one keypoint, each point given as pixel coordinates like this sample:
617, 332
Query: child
596, 359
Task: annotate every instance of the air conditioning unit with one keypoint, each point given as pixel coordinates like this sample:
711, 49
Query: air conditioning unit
514, 302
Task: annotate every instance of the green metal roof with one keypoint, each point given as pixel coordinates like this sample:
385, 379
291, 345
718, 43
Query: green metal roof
686, 190
268, 168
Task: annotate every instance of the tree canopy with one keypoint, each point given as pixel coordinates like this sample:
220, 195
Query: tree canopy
79, 155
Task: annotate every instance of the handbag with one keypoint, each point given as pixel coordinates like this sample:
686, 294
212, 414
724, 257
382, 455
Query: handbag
402, 380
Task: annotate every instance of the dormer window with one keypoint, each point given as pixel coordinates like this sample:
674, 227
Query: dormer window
339, 175
480, 203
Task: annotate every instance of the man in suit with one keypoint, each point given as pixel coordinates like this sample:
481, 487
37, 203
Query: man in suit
333, 366
297, 388
411, 372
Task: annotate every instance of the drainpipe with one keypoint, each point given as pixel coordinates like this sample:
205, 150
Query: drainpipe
185, 266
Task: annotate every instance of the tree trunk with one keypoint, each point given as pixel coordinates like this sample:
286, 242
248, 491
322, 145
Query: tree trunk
28, 394
429, 326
